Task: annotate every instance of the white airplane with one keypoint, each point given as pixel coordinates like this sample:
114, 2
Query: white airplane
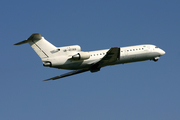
72, 58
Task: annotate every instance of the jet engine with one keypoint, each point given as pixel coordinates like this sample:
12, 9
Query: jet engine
81, 56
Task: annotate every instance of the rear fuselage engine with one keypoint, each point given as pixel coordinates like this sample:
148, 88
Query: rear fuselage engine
81, 56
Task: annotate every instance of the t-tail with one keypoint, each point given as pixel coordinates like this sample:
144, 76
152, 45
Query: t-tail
41, 46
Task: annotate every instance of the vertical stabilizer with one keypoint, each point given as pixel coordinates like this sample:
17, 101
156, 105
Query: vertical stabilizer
41, 46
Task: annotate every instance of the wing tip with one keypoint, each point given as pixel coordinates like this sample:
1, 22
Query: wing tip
48, 79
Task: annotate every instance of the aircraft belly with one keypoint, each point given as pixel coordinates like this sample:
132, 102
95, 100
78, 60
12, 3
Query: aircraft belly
133, 58
153, 54
75, 65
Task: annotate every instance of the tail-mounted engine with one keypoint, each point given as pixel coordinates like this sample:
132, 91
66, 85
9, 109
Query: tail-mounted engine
81, 56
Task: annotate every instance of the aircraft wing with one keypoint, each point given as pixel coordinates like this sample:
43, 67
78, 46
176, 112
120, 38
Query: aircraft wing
111, 56
68, 74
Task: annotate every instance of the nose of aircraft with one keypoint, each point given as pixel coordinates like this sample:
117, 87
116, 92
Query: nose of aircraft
162, 52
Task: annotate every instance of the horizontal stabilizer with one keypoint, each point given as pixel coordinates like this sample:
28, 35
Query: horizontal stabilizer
22, 42
40, 45
35, 36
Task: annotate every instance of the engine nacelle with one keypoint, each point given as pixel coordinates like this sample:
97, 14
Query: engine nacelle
81, 56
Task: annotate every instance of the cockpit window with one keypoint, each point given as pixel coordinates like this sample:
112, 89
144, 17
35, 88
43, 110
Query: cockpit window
156, 47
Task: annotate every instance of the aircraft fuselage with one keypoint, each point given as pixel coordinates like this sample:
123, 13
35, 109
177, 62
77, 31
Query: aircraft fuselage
72, 58
127, 55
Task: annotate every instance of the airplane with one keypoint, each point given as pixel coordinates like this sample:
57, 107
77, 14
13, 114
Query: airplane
72, 58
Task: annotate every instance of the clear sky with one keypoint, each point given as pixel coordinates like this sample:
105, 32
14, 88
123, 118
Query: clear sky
135, 91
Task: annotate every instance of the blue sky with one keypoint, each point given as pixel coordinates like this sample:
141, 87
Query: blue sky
136, 91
